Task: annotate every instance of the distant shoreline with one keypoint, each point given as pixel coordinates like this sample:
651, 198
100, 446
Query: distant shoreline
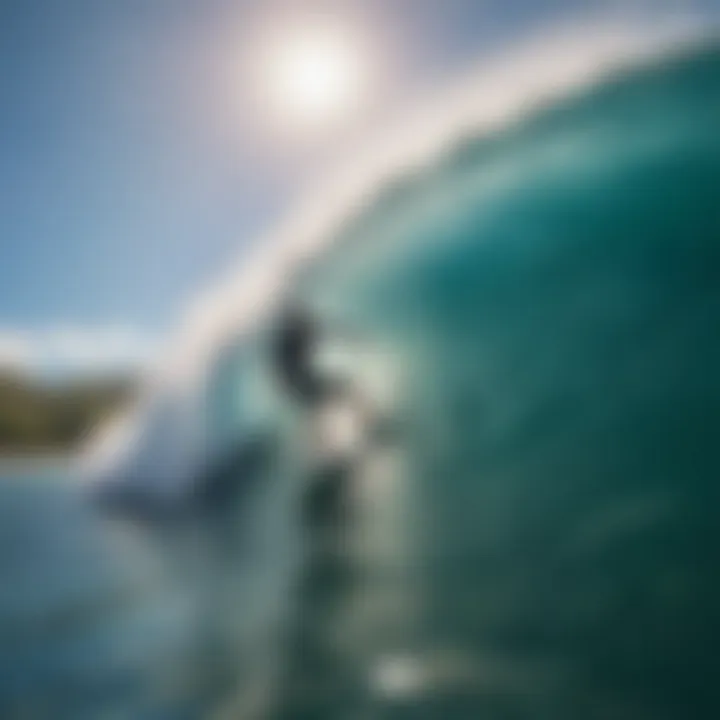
45, 422
29, 461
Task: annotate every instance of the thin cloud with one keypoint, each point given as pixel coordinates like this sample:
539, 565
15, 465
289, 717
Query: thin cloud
75, 350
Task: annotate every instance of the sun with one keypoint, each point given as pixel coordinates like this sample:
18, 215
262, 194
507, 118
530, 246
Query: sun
313, 76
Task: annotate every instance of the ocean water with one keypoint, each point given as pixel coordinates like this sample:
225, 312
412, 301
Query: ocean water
85, 620
529, 528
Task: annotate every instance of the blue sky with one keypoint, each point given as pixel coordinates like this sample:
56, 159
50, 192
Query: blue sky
135, 164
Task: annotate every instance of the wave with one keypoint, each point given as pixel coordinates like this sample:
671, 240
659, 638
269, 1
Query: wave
537, 284
165, 432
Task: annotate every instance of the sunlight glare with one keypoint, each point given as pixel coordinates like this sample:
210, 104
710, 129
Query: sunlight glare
313, 76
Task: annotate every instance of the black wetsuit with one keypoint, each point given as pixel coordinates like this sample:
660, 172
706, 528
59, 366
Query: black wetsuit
293, 348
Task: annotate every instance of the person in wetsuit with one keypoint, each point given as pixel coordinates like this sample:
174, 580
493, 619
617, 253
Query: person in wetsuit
293, 357
314, 674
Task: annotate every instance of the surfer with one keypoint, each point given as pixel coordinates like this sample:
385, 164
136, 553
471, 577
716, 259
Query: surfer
293, 357
339, 413
329, 400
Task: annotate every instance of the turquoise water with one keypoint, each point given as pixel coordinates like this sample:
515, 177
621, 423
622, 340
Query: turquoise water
552, 294
540, 530
86, 622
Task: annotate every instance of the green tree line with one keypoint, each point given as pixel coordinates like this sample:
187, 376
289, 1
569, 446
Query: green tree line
38, 416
